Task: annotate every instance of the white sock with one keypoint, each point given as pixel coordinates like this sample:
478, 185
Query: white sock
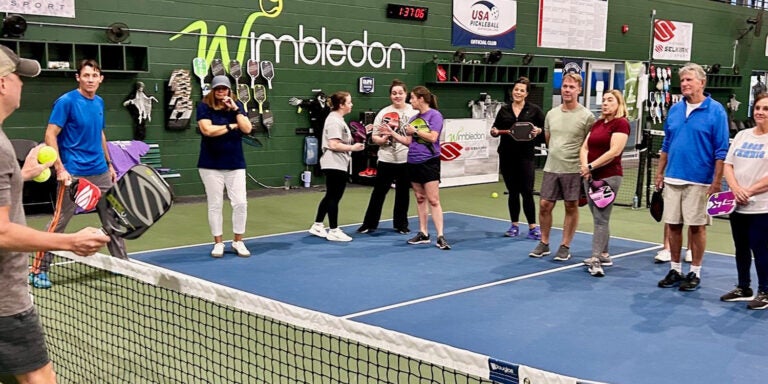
676, 266
696, 269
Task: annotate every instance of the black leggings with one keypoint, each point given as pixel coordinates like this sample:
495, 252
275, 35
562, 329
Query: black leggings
335, 184
386, 175
748, 231
519, 175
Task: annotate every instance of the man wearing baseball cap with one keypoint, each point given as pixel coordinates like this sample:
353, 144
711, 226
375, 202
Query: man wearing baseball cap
23, 354
10, 63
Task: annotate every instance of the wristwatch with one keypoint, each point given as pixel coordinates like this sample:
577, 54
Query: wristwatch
589, 166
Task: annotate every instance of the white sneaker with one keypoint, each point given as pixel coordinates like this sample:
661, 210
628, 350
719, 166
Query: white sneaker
218, 250
688, 256
663, 256
318, 229
240, 249
337, 234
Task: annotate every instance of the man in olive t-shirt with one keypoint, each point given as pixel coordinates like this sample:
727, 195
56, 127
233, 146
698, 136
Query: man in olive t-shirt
565, 128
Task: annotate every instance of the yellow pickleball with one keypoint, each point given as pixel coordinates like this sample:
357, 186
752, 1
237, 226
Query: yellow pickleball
494, 195
46, 154
43, 176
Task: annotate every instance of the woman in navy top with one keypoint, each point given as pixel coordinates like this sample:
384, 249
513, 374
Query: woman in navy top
223, 122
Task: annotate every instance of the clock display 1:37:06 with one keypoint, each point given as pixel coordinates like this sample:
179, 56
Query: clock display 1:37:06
407, 12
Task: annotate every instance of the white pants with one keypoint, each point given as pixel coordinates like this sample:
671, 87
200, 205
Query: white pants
215, 182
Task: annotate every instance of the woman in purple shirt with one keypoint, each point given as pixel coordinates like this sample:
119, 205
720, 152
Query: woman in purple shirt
423, 140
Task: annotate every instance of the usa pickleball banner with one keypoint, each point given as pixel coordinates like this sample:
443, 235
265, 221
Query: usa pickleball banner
489, 24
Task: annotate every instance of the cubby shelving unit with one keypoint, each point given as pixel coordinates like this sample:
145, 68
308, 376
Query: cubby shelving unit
465, 73
113, 58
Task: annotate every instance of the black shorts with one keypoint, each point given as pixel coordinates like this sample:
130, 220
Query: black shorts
22, 343
425, 172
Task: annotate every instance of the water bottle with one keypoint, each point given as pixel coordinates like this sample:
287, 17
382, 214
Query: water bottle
635, 202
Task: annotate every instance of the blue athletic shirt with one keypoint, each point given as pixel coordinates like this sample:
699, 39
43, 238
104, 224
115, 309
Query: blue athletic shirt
81, 121
223, 152
694, 143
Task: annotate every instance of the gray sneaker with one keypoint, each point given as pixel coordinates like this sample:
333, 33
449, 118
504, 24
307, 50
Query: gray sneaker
595, 269
540, 250
605, 261
563, 253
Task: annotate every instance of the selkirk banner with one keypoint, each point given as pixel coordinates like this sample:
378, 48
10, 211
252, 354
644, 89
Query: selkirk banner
672, 40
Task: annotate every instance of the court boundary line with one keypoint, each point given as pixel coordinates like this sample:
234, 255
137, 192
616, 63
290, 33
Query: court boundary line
385, 220
485, 285
360, 223
582, 232
591, 233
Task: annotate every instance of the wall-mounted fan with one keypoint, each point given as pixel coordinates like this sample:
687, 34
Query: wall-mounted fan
118, 32
14, 26
492, 57
527, 58
458, 56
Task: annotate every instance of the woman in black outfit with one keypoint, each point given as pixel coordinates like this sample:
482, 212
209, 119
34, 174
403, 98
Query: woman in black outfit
516, 158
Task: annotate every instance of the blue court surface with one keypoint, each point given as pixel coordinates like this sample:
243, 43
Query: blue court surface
487, 296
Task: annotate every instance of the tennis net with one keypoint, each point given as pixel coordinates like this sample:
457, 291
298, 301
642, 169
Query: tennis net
114, 321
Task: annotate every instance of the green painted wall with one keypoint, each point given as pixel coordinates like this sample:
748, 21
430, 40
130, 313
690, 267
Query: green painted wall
154, 23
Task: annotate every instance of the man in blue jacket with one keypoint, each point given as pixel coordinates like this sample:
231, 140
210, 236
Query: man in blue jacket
690, 168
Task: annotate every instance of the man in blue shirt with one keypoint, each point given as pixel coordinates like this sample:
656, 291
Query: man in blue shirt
691, 167
76, 130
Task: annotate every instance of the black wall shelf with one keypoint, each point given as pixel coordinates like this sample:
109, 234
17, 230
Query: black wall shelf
723, 81
464, 73
113, 58
718, 81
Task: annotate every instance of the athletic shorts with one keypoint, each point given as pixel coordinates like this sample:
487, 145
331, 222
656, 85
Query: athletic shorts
22, 343
425, 172
686, 204
561, 186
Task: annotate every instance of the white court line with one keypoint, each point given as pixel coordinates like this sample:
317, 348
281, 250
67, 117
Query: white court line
487, 285
553, 227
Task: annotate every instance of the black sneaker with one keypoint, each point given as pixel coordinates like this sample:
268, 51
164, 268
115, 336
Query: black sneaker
403, 231
759, 302
442, 243
691, 282
420, 238
738, 294
365, 229
672, 279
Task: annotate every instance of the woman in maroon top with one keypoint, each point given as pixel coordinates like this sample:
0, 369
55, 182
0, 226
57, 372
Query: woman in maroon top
601, 160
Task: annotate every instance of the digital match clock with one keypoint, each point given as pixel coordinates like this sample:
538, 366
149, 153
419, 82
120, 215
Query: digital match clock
407, 12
